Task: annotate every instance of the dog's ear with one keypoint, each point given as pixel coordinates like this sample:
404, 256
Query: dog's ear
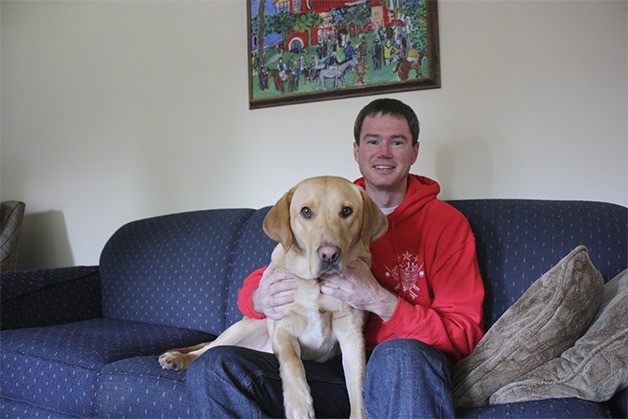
277, 222
374, 222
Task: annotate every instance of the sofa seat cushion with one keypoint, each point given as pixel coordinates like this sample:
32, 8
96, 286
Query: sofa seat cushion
139, 388
548, 408
57, 366
10, 408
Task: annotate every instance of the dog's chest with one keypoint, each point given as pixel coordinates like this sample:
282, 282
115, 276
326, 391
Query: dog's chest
308, 295
311, 319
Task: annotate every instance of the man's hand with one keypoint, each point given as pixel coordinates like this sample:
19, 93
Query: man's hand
274, 291
360, 290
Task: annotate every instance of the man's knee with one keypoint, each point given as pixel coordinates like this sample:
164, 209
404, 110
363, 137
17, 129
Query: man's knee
206, 365
405, 353
222, 363
408, 347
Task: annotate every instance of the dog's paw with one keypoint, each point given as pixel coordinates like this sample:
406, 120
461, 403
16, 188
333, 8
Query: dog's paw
302, 409
173, 360
300, 414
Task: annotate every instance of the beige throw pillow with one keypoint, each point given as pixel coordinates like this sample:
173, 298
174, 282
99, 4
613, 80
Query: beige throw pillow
595, 368
547, 319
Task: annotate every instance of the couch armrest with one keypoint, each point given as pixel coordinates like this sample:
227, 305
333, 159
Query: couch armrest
44, 297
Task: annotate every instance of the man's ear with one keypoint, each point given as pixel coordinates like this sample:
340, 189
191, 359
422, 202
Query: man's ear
374, 222
415, 150
277, 221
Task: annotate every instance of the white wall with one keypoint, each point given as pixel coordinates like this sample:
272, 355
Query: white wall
114, 111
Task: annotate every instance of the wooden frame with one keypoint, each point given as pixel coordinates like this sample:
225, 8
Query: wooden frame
316, 50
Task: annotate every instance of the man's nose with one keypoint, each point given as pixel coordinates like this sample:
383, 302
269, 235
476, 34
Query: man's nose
384, 151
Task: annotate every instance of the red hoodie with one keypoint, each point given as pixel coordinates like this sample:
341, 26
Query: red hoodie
427, 257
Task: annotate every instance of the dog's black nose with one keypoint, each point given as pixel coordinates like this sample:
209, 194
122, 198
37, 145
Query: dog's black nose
328, 254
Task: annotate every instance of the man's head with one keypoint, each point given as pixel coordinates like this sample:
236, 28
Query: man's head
391, 107
386, 146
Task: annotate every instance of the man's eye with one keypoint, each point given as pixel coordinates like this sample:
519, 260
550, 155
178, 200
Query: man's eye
306, 212
346, 212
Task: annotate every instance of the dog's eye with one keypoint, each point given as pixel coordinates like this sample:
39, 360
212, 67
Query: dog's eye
306, 212
346, 212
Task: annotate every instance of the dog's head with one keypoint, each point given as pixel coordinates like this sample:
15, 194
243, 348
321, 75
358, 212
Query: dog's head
322, 224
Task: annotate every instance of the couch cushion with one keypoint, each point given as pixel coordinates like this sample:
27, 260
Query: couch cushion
518, 240
139, 388
594, 368
172, 270
549, 408
253, 252
546, 320
57, 366
10, 408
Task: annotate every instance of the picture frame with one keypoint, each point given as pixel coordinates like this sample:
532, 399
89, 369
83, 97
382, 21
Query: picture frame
312, 50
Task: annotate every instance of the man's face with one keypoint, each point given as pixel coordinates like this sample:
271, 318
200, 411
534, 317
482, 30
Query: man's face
385, 153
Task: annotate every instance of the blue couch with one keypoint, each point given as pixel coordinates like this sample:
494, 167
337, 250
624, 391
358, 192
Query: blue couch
83, 341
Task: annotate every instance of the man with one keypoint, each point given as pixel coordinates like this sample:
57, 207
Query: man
389, 52
378, 52
361, 70
362, 47
349, 51
423, 292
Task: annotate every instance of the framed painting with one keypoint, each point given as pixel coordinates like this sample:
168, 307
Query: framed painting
310, 50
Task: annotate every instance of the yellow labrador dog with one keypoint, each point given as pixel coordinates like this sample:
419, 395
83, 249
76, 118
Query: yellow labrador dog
323, 224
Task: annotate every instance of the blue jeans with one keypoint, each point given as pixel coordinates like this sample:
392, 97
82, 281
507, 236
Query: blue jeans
404, 378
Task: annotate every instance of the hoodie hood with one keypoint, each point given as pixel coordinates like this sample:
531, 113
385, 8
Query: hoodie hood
421, 191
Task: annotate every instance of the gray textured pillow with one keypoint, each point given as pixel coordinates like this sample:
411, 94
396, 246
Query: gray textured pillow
547, 319
595, 368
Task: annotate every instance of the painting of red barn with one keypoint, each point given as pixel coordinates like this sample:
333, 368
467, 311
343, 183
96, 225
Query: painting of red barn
310, 50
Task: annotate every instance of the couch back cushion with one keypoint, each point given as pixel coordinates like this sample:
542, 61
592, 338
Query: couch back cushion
520, 240
254, 250
517, 242
173, 269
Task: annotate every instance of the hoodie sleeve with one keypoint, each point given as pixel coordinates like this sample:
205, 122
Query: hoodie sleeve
245, 295
453, 322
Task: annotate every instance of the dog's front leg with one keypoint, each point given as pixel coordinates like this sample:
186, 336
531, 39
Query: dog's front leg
297, 399
348, 330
